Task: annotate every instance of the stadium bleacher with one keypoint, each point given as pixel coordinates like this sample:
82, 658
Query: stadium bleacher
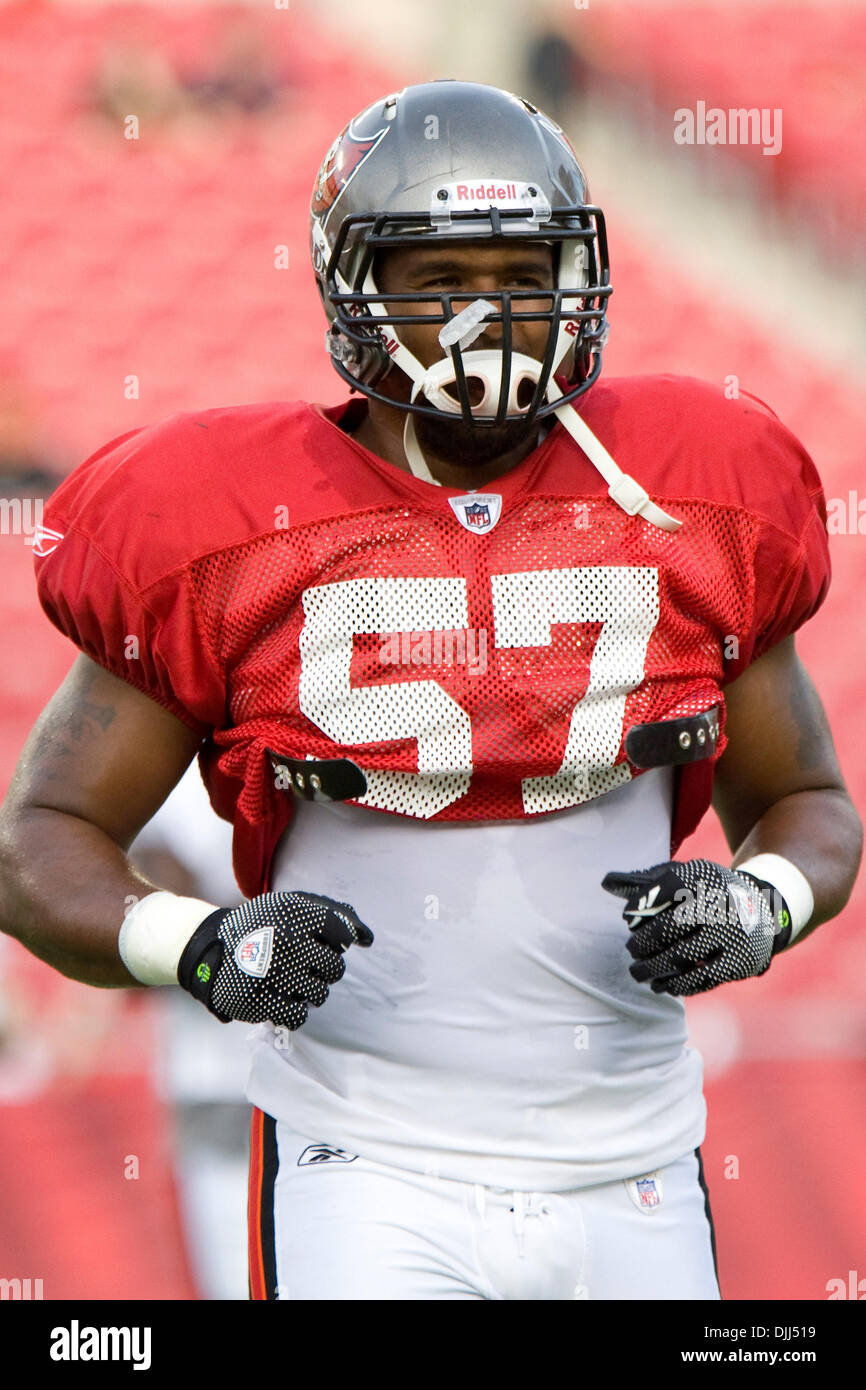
154, 258
806, 59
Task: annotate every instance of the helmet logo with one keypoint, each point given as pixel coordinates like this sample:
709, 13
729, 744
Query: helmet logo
339, 166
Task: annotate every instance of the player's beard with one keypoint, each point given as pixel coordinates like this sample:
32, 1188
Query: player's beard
471, 446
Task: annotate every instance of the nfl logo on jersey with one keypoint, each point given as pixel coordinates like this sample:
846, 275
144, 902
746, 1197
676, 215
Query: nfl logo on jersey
477, 516
477, 511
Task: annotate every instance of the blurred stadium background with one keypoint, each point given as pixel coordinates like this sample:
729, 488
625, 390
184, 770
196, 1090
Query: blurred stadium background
140, 276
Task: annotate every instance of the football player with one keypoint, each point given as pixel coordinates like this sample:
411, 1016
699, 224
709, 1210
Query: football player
461, 658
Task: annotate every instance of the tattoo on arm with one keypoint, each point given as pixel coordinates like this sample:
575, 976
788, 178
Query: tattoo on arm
80, 726
84, 724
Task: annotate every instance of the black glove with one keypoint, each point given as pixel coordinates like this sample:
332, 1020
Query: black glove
268, 959
696, 925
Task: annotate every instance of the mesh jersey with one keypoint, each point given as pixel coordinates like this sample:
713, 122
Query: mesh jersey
276, 586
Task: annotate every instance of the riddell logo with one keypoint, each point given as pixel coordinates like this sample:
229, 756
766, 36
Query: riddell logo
473, 192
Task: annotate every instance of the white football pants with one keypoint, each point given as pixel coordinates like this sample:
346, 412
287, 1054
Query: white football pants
325, 1224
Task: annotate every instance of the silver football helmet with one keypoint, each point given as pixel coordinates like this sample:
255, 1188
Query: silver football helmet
457, 160
445, 160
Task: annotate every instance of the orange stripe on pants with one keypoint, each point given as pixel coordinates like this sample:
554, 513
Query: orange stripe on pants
258, 1286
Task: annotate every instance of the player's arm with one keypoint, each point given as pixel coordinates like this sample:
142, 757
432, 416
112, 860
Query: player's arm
100, 761
778, 788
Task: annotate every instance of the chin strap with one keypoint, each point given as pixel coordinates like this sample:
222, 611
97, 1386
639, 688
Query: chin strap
622, 488
412, 450
486, 368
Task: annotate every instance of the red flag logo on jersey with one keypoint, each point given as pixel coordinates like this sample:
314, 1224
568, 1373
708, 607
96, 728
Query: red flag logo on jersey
340, 165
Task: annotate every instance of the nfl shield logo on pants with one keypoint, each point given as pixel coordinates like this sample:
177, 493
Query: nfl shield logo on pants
646, 1191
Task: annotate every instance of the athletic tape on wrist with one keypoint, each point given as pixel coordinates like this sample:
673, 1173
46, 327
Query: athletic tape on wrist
155, 932
790, 882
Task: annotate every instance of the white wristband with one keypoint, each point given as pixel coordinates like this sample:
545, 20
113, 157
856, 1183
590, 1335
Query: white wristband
790, 882
155, 932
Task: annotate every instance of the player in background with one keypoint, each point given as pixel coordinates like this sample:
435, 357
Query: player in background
460, 658
200, 1066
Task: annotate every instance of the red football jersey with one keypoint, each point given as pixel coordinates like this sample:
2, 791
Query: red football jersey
276, 586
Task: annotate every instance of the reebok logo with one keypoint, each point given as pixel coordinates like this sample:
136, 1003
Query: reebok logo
324, 1153
647, 906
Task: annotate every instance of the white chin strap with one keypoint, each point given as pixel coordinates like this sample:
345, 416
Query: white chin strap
625, 491
484, 369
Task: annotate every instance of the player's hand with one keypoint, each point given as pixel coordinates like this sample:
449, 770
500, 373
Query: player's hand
695, 925
270, 958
